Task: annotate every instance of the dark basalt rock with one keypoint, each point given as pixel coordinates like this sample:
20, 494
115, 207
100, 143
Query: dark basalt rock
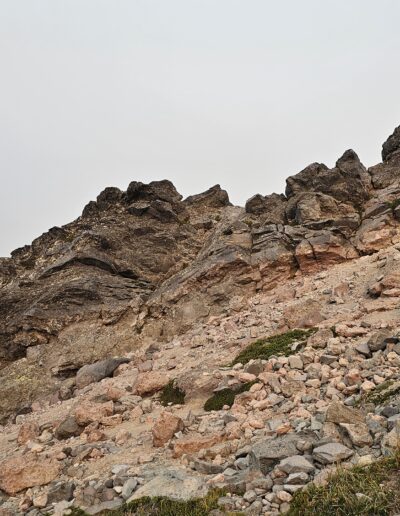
391, 145
214, 197
271, 208
347, 182
156, 190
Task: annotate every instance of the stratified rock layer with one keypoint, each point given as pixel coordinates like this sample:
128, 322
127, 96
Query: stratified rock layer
144, 265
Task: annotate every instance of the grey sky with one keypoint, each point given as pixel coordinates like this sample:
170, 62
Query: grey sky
97, 93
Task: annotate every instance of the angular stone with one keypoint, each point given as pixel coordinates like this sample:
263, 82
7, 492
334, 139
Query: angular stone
172, 483
331, 453
378, 340
339, 413
195, 442
68, 428
28, 432
151, 382
89, 412
128, 488
358, 434
95, 372
363, 348
296, 464
165, 427
19, 473
266, 454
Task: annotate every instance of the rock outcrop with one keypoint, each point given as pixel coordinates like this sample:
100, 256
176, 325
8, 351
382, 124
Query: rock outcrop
116, 328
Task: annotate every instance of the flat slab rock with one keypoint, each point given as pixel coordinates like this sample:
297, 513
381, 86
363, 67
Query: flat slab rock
331, 453
172, 483
266, 454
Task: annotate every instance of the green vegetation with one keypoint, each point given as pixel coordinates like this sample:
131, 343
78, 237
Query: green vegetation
372, 490
275, 345
226, 397
172, 394
381, 394
393, 204
76, 511
161, 506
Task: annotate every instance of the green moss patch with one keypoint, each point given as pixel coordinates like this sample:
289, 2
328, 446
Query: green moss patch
361, 491
382, 394
172, 394
275, 345
161, 506
226, 397
393, 204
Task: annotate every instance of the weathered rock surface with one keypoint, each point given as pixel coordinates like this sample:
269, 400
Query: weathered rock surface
18, 473
165, 427
176, 289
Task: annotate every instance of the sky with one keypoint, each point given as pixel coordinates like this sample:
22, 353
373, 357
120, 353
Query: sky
244, 93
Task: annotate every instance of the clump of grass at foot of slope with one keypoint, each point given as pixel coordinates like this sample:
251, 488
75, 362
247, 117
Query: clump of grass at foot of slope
276, 345
226, 397
382, 394
161, 506
172, 394
372, 490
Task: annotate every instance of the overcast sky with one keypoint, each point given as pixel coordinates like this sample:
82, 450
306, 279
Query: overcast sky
244, 93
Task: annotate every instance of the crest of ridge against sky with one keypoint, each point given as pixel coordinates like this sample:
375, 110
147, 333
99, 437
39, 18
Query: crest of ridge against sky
97, 93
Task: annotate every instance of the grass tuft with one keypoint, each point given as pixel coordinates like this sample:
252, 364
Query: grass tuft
393, 204
226, 397
172, 394
275, 345
161, 506
372, 490
382, 394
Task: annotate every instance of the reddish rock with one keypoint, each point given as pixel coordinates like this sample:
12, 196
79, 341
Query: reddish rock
19, 473
195, 442
165, 427
90, 412
28, 432
150, 382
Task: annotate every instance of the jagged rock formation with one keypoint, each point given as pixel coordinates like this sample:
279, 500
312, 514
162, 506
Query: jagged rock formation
143, 271
155, 263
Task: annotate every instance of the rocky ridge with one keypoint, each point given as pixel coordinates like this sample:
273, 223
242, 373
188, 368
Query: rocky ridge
99, 316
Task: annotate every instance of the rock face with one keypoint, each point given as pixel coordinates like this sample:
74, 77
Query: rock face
120, 330
392, 145
145, 265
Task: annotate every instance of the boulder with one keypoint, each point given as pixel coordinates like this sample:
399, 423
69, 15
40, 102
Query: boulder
266, 454
165, 427
339, 413
331, 453
296, 464
89, 412
156, 190
68, 428
378, 340
194, 442
172, 483
19, 473
347, 182
150, 382
214, 197
95, 372
358, 433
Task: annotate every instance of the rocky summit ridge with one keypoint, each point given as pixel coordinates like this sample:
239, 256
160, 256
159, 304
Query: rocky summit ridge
117, 328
